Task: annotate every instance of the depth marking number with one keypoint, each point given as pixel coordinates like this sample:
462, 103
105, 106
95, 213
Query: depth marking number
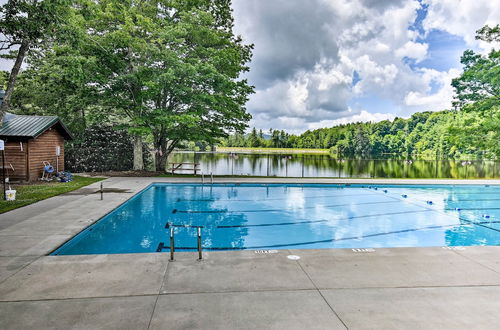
265, 251
363, 250
455, 248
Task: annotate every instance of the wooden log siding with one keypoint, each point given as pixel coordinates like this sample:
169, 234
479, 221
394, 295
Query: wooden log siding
18, 158
43, 148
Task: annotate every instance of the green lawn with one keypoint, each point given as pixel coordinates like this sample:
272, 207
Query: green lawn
31, 193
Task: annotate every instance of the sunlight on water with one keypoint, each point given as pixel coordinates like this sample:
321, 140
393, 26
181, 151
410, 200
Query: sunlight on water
276, 216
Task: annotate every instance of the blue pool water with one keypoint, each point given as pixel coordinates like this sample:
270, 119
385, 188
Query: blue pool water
279, 216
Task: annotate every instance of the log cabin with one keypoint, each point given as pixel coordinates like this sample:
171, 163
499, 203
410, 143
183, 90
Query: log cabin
29, 142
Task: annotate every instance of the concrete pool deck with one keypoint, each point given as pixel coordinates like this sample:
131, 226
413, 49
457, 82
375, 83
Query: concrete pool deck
397, 288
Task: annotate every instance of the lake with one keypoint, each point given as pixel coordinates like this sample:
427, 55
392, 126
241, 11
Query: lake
324, 165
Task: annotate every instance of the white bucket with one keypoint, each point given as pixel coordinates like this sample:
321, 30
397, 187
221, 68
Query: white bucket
11, 195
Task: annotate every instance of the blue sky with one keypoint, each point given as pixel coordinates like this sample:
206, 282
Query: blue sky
319, 63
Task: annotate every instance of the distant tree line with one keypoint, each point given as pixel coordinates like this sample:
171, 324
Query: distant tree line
424, 134
257, 139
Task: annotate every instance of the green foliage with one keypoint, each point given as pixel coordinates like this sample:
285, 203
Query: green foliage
427, 135
481, 77
4, 77
100, 148
166, 69
476, 128
28, 25
29, 21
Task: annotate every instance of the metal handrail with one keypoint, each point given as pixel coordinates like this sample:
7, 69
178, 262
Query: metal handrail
172, 239
202, 178
199, 244
172, 246
211, 178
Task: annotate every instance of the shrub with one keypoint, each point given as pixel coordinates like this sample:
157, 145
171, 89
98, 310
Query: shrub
99, 149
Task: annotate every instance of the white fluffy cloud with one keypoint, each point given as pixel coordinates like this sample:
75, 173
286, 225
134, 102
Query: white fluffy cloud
363, 116
414, 50
307, 54
461, 18
296, 125
441, 99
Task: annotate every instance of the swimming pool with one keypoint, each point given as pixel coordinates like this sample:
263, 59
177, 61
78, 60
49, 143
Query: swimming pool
283, 216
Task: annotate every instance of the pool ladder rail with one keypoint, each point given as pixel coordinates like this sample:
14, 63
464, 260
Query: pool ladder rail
172, 240
211, 178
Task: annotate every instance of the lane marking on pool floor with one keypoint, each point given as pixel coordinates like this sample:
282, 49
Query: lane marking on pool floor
322, 220
280, 210
179, 200
319, 241
480, 224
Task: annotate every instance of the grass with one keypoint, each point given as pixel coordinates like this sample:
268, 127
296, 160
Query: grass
273, 150
32, 193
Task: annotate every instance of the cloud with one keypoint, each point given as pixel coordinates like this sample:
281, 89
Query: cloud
295, 125
413, 50
306, 54
461, 18
363, 116
440, 98
314, 58
289, 37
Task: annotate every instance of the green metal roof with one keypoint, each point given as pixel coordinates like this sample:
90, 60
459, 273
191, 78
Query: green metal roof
30, 126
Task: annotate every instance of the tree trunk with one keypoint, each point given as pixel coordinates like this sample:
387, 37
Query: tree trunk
153, 155
161, 154
21, 53
163, 149
138, 157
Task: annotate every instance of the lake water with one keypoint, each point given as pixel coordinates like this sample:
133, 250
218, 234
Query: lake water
323, 165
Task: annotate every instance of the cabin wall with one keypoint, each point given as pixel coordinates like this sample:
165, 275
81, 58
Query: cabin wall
43, 148
16, 156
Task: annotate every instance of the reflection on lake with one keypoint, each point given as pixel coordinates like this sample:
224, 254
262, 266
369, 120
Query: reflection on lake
323, 165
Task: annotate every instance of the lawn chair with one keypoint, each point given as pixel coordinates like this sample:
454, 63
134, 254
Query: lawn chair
48, 171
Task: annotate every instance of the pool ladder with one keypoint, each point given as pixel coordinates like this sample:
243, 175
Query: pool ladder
203, 178
172, 241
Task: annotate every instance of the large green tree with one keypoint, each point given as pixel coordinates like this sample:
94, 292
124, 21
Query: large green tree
196, 88
169, 70
24, 26
480, 79
477, 127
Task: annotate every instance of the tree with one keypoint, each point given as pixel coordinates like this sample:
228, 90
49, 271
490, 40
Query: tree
196, 90
26, 24
489, 34
253, 139
478, 96
169, 70
59, 83
481, 77
172, 67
